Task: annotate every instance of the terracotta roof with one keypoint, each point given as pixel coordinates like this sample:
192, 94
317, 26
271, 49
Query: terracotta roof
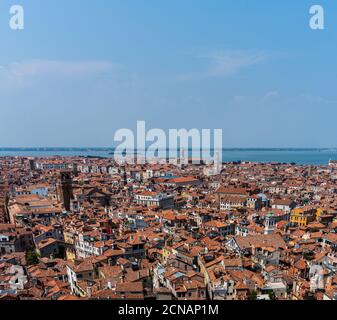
271, 240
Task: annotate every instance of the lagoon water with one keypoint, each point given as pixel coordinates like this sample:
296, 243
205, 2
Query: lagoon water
298, 156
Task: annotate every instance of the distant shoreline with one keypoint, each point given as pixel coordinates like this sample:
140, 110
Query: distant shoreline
49, 149
299, 156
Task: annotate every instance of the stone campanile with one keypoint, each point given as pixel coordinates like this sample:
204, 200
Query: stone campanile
65, 189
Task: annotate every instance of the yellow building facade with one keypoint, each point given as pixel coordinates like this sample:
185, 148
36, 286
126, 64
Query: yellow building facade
303, 216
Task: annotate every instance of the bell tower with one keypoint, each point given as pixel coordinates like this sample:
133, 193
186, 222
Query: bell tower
270, 223
65, 189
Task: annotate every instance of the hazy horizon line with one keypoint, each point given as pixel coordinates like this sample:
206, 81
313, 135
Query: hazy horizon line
190, 149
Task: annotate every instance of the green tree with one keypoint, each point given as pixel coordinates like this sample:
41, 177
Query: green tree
32, 258
308, 256
272, 295
252, 295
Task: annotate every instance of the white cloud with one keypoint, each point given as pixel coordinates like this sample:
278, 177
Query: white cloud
239, 99
18, 74
262, 102
225, 64
310, 98
58, 67
229, 63
270, 95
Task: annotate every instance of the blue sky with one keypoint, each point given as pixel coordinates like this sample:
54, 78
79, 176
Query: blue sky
82, 69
